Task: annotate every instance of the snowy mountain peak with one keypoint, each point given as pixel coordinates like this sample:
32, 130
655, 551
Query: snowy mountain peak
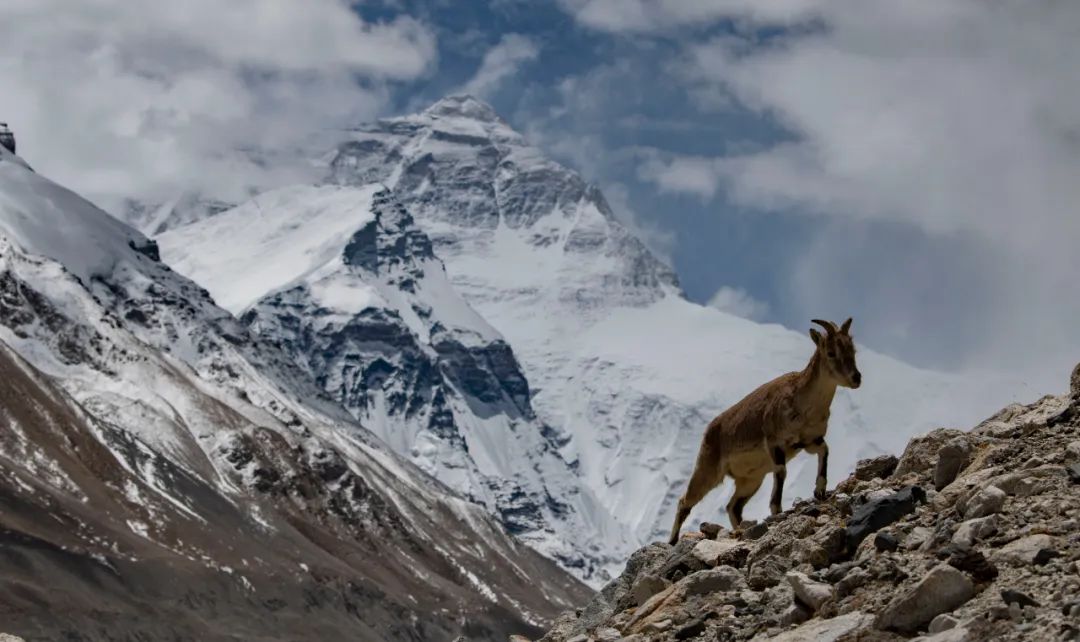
463, 106
343, 280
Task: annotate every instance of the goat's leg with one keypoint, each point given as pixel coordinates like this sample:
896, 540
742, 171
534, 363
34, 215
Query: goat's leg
745, 487
821, 449
779, 475
707, 475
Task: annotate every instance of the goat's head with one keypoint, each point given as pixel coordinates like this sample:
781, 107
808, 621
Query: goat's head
837, 352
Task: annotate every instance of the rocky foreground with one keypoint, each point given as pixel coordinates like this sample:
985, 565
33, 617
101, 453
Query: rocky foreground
967, 536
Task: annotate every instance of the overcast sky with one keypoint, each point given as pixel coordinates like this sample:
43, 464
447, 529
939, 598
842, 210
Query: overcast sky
916, 165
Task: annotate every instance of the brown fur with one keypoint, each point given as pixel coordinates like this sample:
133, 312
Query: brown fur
769, 426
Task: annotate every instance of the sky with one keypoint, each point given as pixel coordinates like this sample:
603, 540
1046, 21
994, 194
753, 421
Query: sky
914, 165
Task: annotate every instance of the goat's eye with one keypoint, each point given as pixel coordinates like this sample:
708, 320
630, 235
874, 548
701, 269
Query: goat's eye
832, 355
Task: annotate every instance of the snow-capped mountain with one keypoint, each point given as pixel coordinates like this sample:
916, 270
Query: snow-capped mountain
165, 473
617, 359
345, 283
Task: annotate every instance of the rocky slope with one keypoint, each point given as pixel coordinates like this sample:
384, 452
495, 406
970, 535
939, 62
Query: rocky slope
166, 474
966, 536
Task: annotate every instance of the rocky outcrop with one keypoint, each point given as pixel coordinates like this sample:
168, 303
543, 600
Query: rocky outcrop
968, 536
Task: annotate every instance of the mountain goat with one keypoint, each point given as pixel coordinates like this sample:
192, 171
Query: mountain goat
768, 427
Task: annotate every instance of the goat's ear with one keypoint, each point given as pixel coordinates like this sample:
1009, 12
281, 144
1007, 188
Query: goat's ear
847, 326
815, 336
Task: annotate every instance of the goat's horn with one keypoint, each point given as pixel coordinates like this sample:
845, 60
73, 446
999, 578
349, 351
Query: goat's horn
829, 326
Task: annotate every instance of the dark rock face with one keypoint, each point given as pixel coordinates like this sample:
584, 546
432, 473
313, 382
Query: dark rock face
879, 513
395, 365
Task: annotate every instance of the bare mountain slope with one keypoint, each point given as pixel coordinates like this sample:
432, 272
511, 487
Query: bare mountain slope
165, 474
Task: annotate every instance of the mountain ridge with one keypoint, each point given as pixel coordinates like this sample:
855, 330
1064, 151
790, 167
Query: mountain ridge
164, 465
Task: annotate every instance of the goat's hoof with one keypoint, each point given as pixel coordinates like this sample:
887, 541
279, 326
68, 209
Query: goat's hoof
820, 495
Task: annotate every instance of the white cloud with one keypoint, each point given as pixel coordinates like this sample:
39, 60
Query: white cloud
500, 62
696, 175
126, 98
739, 302
639, 16
960, 120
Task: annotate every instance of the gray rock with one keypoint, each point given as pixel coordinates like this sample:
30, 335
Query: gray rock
579, 638
942, 590
607, 634
755, 530
766, 572
943, 622
795, 614
955, 634
1073, 448
1023, 550
710, 529
807, 591
987, 501
681, 559
917, 537
646, 586
974, 530
855, 578
721, 551
821, 630
953, 457
721, 578
876, 468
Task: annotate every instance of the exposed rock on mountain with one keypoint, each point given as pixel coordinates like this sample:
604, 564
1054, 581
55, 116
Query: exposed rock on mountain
994, 554
595, 433
624, 367
344, 282
166, 474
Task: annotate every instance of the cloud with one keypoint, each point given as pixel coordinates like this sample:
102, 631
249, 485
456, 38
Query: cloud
695, 175
643, 16
500, 62
739, 302
145, 99
952, 126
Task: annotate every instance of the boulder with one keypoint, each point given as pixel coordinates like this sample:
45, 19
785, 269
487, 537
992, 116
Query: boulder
987, 501
829, 630
973, 563
886, 542
921, 452
1011, 596
721, 551
710, 530
646, 586
1023, 550
943, 622
855, 578
812, 594
974, 530
767, 572
879, 513
682, 559
721, 578
953, 457
795, 614
876, 468
942, 590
